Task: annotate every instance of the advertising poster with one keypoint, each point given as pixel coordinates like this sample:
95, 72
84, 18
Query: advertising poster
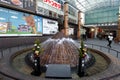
19, 23
39, 25
3, 27
26, 4
3, 15
17, 3
50, 26
29, 5
3, 20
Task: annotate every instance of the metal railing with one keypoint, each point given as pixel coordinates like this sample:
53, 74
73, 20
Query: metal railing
104, 49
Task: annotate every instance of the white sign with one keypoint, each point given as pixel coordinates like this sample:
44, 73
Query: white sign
71, 31
50, 26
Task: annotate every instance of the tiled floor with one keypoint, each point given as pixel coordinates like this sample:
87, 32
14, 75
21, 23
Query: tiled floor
112, 73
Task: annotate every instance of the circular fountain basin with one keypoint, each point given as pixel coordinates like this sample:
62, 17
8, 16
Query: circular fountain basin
60, 51
101, 64
57, 50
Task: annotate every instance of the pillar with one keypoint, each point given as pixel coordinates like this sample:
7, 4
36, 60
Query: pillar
117, 39
118, 31
66, 18
96, 31
79, 25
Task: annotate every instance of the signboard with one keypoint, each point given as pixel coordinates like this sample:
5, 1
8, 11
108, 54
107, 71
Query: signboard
71, 31
26, 4
29, 5
19, 23
53, 3
50, 26
42, 11
17, 3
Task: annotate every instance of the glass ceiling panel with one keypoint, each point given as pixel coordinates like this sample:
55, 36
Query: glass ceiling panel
86, 5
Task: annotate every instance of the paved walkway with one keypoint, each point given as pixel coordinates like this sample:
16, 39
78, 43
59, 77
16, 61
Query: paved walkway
103, 42
112, 73
114, 46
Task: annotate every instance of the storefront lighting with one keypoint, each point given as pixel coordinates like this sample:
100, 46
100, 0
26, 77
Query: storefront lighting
92, 29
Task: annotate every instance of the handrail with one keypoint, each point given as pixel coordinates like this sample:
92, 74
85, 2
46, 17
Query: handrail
101, 48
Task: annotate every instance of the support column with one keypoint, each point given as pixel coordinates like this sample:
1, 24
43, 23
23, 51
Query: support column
118, 31
117, 39
79, 25
66, 18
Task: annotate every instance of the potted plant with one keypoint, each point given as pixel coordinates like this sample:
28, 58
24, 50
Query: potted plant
82, 55
37, 50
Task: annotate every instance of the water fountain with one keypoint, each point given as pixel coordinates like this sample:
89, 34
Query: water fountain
60, 50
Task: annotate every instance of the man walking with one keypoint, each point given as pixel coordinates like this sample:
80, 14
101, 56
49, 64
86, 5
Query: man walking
110, 38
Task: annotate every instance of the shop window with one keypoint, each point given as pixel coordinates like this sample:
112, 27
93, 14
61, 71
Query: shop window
50, 13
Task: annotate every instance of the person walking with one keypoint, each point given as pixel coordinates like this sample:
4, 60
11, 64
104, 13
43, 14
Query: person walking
110, 38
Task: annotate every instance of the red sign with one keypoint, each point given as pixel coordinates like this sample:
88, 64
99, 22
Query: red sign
53, 3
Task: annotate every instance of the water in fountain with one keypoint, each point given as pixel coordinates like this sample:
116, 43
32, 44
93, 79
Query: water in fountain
60, 50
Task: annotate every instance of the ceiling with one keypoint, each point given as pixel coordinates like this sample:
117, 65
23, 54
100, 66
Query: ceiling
87, 5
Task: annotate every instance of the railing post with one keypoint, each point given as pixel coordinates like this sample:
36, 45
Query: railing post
117, 54
2, 53
100, 47
18, 47
92, 45
10, 50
